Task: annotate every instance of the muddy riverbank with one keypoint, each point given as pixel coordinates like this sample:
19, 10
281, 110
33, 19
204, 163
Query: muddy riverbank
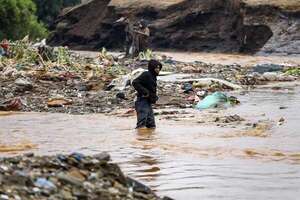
100, 82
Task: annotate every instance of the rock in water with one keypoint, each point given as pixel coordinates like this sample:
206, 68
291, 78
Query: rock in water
74, 176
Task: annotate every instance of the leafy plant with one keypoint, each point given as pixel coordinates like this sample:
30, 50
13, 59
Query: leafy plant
293, 71
147, 55
17, 19
48, 10
63, 56
22, 51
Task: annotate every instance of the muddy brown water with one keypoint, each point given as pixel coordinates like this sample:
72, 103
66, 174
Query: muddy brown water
181, 159
218, 58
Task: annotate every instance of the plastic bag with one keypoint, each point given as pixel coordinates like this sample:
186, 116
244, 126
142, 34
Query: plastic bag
212, 101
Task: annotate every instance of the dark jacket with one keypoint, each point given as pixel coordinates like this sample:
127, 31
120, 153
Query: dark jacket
145, 86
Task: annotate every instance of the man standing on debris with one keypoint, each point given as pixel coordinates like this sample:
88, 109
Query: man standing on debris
146, 85
141, 37
129, 33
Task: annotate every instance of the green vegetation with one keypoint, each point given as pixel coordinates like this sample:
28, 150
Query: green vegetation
293, 71
48, 10
146, 55
17, 19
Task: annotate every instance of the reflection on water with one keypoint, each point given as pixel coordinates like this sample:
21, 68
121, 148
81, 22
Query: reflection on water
183, 160
147, 165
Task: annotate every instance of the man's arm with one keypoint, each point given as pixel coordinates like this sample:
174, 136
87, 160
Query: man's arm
137, 84
146, 32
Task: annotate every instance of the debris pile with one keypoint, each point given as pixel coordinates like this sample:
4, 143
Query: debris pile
42, 78
36, 77
74, 176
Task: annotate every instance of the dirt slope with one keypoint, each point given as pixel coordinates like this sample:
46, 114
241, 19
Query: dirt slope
283, 19
197, 25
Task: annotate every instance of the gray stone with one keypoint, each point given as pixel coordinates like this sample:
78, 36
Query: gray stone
69, 179
263, 68
23, 84
102, 156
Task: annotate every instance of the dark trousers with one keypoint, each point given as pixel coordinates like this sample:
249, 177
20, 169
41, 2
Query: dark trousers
145, 116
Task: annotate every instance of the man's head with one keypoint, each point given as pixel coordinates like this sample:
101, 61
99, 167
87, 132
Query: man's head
143, 24
154, 67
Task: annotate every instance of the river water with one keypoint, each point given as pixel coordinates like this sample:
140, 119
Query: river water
181, 159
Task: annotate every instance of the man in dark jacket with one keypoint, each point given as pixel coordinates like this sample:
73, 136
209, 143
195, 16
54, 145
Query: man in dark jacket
145, 86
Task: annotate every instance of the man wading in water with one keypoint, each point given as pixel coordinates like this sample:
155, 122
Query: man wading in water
146, 85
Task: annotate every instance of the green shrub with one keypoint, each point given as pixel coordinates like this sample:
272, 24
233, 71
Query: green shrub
17, 19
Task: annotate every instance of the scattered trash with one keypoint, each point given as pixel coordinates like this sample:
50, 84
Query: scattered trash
212, 101
229, 119
55, 76
263, 68
216, 99
202, 93
4, 197
45, 184
4, 48
124, 81
121, 95
189, 69
120, 83
187, 87
204, 82
275, 76
191, 98
197, 99
281, 121
283, 107
58, 102
2, 52
12, 105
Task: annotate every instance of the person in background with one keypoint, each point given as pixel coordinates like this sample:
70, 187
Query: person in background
128, 36
140, 38
129, 33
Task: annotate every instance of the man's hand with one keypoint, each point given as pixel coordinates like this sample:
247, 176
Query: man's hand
146, 95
